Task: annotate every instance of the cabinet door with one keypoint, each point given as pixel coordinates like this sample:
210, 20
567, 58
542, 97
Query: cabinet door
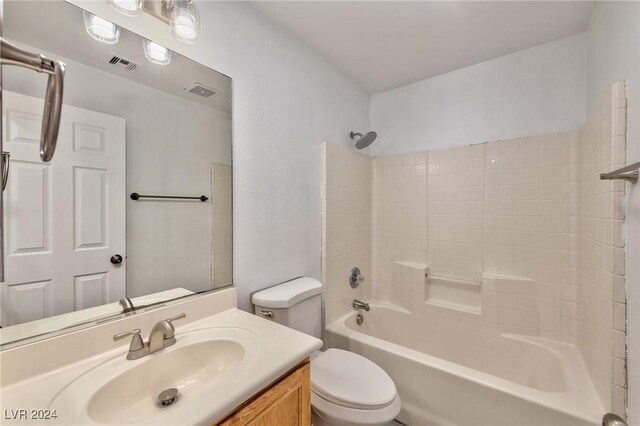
287, 403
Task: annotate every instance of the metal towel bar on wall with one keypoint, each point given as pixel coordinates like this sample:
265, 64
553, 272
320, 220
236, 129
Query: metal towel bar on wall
628, 173
135, 196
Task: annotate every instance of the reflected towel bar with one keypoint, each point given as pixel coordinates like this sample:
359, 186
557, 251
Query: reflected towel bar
628, 173
136, 196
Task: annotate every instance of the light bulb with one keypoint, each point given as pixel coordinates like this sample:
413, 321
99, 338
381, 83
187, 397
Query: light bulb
101, 29
155, 53
127, 7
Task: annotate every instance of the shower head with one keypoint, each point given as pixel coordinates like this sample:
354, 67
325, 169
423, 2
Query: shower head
365, 140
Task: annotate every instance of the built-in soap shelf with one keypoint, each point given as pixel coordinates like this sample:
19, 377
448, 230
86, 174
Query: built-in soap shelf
453, 293
415, 286
413, 282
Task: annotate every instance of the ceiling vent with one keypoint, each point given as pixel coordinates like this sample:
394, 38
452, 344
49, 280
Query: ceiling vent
124, 63
201, 90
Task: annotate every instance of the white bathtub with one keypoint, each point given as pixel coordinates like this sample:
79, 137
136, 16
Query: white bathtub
449, 373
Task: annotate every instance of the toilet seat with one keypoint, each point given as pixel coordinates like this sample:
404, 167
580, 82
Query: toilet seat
349, 380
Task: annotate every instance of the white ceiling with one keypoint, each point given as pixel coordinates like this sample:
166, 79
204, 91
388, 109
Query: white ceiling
382, 45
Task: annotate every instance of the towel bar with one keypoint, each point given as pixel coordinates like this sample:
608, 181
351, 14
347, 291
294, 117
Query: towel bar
628, 173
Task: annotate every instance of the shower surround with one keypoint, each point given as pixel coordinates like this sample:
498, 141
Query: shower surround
517, 236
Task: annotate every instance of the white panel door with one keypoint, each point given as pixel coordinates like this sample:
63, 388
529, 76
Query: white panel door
64, 219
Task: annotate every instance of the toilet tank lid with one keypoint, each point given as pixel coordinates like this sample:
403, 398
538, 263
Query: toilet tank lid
287, 294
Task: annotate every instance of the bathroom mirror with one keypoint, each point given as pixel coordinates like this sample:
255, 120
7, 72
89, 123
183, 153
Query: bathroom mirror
135, 207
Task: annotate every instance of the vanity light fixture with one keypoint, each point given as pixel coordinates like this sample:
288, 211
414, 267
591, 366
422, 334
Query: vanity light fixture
182, 16
101, 29
127, 7
155, 53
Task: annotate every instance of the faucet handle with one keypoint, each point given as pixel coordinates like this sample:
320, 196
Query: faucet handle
356, 278
121, 336
136, 342
177, 317
171, 329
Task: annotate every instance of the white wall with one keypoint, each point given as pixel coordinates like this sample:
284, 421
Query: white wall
613, 51
532, 92
286, 100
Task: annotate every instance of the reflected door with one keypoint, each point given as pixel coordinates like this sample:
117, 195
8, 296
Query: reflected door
64, 220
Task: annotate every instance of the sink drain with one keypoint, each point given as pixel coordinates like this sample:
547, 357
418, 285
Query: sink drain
168, 397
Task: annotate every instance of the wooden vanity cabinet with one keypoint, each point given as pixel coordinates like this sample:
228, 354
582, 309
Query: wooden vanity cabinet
287, 402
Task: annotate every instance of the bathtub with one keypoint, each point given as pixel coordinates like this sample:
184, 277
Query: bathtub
450, 373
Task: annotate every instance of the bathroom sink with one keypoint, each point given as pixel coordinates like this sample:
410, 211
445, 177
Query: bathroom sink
119, 391
133, 393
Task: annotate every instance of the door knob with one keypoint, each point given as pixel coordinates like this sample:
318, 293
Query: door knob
116, 259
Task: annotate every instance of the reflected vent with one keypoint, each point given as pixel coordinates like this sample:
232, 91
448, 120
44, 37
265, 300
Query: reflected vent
200, 90
124, 63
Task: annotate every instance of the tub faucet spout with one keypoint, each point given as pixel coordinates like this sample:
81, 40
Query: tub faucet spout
357, 304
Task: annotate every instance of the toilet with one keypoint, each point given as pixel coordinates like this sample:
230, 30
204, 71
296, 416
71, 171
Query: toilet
346, 388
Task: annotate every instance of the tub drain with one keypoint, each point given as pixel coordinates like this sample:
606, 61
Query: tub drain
168, 397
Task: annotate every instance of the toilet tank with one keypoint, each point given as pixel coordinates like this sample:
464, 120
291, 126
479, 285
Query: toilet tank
296, 304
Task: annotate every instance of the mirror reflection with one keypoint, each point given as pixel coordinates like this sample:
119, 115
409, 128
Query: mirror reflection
135, 206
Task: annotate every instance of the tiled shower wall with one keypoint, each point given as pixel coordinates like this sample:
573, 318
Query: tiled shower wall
516, 235
602, 302
400, 218
346, 227
501, 215
455, 211
530, 232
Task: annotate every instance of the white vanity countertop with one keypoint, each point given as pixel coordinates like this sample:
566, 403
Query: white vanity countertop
279, 349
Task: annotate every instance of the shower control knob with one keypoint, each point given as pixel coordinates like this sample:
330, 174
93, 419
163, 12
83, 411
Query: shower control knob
116, 259
356, 278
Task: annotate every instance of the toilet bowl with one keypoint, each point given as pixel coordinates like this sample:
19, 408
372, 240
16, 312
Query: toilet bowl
347, 389
350, 390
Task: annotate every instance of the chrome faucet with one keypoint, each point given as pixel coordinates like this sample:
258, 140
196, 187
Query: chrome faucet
127, 305
162, 336
357, 304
